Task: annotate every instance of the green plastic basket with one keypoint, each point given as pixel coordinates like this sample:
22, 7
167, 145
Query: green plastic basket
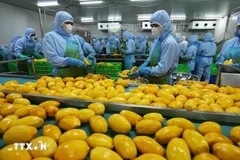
214, 69
182, 68
30, 70
12, 66
108, 68
43, 68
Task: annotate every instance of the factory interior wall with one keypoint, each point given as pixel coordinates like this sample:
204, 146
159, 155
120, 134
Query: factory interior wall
14, 20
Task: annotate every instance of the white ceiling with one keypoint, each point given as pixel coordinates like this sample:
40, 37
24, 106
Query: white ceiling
193, 9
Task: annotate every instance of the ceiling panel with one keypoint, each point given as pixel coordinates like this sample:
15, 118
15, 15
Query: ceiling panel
193, 9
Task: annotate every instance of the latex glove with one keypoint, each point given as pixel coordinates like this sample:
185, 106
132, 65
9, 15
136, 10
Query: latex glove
73, 62
37, 55
145, 64
29, 61
146, 71
21, 56
90, 61
134, 75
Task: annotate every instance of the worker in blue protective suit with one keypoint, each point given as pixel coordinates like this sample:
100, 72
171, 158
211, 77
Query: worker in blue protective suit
117, 41
96, 44
164, 53
11, 46
62, 49
128, 51
87, 49
206, 52
26, 46
104, 41
134, 39
140, 46
190, 55
231, 48
111, 47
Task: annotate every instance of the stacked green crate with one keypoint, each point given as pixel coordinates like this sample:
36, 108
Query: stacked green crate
30, 70
183, 68
43, 68
12, 66
108, 68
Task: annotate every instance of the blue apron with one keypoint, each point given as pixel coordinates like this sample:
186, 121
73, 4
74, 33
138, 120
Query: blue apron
233, 53
155, 56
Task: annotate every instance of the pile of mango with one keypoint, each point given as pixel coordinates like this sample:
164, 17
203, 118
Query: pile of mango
124, 73
67, 141
40, 60
227, 62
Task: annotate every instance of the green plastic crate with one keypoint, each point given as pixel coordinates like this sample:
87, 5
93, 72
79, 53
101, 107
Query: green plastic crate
182, 68
12, 66
43, 67
214, 69
109, 68
30, 70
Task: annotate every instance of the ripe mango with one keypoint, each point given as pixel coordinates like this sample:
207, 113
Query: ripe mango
181, 122
148, 145
235, 134
42, 158
38, 111
119, 124
150, 156
102, 153
50, 148
49, 103
205, 156
148, 126
4, 123
23, 101
154, 116
52, 131
207, 127
10, 109
98, 124
69, 122
165, 134
12, 96
10, 153
178, 149
98, 108
84, 115
72, 150
73, 134
132, 117
24, 111
29, 120
226, 151
125, 146
196, 142
19, 134
64, 112
99, 139
214, 137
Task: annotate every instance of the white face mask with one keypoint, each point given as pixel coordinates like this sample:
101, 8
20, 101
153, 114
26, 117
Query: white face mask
67, 28
156, 31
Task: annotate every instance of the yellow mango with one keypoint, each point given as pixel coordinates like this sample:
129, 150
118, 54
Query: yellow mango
208, 99
235, 134
21, 101
101, 99
119, 124
158, 104
1, 117
38, 111
42, 158
96, 93
12, 96
84, 115
102, 153
176, 104
190, 105
165, 134
49, 103
214, 137
64, 112
212, 87
151, 90
69, 122
118, 100
11, 109
19, 134
133, 100
166, 95
24, 111
226, 151
144, 102
73, 134
2, 100
72, 150
10, 153
162, 100
154, 116
50, 149
225, 102
123, 83
51, 111
233, 110
99, 139
148, 145
52, 131
125, 146
196, 142
205, 156
131, 116
98, 124
2, 95
29, 121
150, 156
148, 126
178, 149
204, 107
216, 108
98, 108
222, 90
207, 127
237, 104
6, 121
181, 122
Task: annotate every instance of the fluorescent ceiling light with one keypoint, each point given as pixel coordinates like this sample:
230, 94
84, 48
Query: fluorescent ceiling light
114, 18
178, 17
144, 17
87, 19
50, 3
91, 2
213, 17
